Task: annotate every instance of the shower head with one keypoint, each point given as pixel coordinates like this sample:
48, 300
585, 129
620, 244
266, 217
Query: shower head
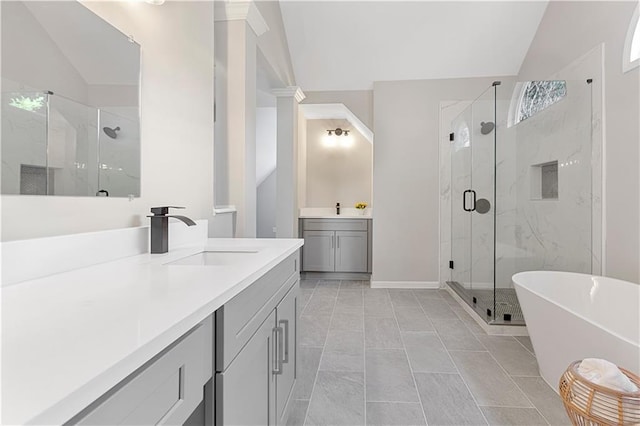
486, 128
111, 132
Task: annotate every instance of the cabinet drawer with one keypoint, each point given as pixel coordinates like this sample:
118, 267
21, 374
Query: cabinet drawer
239, 318
166, 390
334, 224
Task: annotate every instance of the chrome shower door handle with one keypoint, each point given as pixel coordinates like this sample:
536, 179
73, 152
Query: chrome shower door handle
474, 200
285, 322
464, 200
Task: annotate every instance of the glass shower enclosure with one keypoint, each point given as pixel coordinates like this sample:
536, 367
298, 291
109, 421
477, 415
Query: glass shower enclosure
522, 191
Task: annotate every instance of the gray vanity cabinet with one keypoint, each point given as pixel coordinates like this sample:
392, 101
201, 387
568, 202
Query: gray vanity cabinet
336, 245
256, 356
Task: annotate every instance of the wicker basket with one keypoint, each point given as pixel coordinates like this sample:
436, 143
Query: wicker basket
589, 404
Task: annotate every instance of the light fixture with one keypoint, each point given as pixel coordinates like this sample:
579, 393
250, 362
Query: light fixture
339, 132
155, 2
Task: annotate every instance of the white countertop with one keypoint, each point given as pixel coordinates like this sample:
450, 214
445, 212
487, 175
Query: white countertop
334, 216
330, 213
68, 338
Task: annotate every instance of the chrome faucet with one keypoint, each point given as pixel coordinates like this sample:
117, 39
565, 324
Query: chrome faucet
160, 227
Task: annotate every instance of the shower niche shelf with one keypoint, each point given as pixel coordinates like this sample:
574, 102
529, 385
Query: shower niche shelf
544, 181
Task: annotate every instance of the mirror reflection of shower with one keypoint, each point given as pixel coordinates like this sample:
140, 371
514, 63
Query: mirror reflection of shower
111, 132
487, 127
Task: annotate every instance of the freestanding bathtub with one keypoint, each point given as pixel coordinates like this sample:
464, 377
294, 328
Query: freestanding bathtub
573, 316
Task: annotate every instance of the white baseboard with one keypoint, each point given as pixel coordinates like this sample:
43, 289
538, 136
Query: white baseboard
405, 284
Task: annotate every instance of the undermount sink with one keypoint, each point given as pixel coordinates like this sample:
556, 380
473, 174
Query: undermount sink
215, 258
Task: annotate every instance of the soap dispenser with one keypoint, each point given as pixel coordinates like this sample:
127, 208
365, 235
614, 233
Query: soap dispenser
338, 208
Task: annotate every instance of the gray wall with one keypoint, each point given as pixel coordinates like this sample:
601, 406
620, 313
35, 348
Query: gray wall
557, 44
267, 207
360, 102
337, 174
405, 175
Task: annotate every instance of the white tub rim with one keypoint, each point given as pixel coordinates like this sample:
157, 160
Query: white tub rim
582, 317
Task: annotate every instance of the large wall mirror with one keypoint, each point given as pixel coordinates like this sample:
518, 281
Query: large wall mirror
70, 102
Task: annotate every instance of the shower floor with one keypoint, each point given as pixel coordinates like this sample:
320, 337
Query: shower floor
506, 303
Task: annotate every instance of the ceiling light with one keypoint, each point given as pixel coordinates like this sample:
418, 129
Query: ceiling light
155, 2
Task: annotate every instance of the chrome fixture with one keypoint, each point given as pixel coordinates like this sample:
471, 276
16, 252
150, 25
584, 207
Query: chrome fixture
486, 128
160, 227
338, 132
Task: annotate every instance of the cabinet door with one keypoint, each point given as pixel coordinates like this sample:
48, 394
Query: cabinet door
351, 251
318, 251
245, 390
287, 314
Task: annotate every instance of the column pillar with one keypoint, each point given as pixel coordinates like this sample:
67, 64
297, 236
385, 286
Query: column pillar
287, 161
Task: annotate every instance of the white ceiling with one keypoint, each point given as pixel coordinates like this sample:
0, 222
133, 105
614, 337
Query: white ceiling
347, 45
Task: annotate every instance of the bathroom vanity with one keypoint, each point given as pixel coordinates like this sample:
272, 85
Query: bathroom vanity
336, 244
195, 336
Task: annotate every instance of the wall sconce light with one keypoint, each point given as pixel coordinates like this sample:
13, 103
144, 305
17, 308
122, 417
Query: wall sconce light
339, 132
332, 139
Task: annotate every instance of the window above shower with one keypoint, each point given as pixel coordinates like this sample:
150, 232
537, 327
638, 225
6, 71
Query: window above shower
531, 97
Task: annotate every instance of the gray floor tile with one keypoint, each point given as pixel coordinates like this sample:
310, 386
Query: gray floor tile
447, 401
308, 283
320, 305
448, 298
298, 413
437, 309
411, 318
305, 296
378, 307
544, 398
382, 333
309, 360
427, 294
328, 284
351, 298
508, 416
353, 321
403, 298
456, 335
394, 413
325, 292
344, 351
427, 354
487, 381
511, 355
388, 376
313, 329
338, 399
526, 342
353, 284
473, 326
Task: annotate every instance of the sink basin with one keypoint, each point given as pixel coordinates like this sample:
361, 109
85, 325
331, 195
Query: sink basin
215, 258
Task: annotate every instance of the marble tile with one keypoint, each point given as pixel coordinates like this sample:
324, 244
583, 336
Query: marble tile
352, 321
313, 329
509, 416
544, 399
308, 362
511, 355
526, 342
447, 401
403, 298
338, 399
411, 318
427, 354
344, 351
487, 381
388, 376
298, 413
381, 333
394, 413
437, 309
320, 305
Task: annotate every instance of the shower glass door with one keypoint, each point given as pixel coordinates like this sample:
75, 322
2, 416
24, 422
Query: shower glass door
473, 199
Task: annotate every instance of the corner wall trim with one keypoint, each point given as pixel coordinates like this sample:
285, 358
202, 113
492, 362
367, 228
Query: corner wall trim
405, 284
241, 11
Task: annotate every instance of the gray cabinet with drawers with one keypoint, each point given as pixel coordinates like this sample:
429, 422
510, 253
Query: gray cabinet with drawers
336, 245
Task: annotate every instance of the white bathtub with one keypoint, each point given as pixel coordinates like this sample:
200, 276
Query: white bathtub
573, 316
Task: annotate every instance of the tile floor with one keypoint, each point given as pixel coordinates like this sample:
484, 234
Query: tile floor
410, 357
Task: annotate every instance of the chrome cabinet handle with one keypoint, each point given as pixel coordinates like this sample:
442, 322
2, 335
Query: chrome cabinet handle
277, 351
332, 244
338, 241
285, 359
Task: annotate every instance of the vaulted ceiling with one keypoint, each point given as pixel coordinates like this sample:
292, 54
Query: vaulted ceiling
347, 45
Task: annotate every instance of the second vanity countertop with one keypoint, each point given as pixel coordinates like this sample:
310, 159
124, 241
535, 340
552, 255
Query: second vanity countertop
70, 337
